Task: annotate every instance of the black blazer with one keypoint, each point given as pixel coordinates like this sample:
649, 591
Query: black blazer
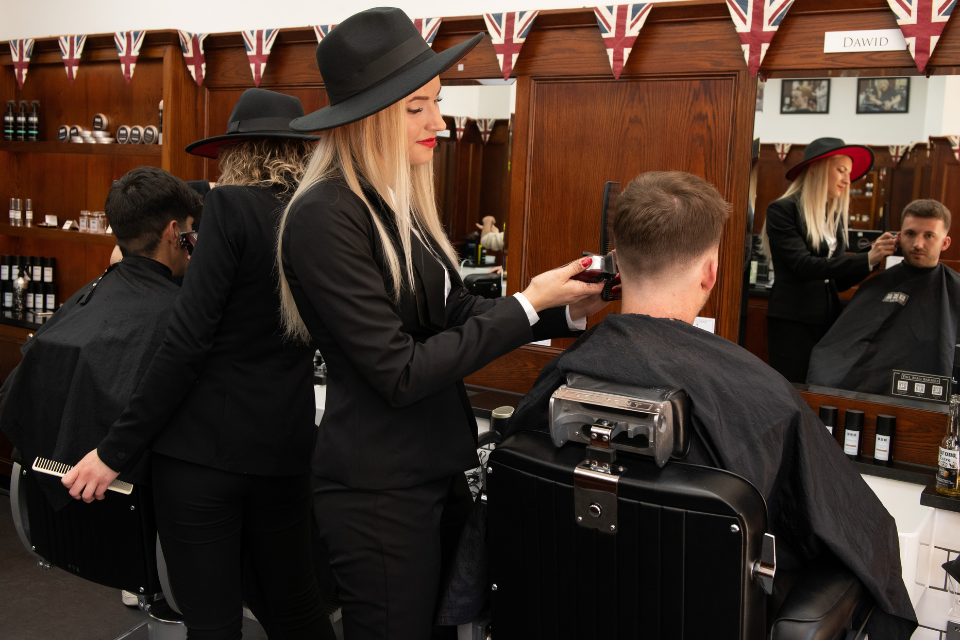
807, 279
225, 389
396, 414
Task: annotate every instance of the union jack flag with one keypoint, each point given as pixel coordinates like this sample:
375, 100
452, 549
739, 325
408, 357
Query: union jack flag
485, 125
191, 44
71, 48
782, 149
322, 30
508, 32
128, 50
460, 122
757, 22
428, 28
619, 26
20, 52
922, 22
259, 43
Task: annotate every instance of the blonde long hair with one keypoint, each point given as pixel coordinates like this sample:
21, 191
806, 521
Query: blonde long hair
821, 214
265, 162
374, 150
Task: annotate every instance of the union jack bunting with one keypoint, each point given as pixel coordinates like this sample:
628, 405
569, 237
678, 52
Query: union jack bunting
757, 22
955, 146
897, 152
191, 44
128, 50
20, 52
259, 43
619, 26
508, 32
428, 28
321, 30
782, 148
71, 48
460, 122
922, 22
485, 125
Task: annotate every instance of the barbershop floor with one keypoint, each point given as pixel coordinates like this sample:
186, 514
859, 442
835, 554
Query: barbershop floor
49, 603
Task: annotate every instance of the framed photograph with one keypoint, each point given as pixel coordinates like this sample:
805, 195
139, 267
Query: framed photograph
806, 96
883, 95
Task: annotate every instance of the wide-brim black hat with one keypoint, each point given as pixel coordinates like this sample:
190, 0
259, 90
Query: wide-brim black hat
821, 148
370, 61
258, 114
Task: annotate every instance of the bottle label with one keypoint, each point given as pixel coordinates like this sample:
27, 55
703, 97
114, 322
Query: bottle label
28, 301
882, 450
47, 274
949, 459
37, 273
4, 272
851, 442
8, 299
51, 302
948, 472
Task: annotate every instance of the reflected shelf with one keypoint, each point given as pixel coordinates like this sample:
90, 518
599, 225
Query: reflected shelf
48, 147
56, 233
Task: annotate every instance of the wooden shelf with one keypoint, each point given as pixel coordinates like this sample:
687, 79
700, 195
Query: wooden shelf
45, 147
55, 233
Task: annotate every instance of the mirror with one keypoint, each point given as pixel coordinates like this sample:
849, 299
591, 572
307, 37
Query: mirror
907, 121
472, 162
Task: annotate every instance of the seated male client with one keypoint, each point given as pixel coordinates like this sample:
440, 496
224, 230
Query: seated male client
745, 417
904, 318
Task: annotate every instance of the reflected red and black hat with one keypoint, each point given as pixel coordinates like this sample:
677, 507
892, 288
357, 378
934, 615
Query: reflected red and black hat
259, 113
821, 148
370, 61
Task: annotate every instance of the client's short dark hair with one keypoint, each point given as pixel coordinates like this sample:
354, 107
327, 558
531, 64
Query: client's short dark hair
928, 208
666, 218
143, 202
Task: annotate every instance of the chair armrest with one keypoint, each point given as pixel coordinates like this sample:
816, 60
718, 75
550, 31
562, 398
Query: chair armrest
821, 604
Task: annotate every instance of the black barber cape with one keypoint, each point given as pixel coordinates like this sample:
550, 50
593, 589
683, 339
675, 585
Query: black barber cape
905, 318
82, 365
749, 420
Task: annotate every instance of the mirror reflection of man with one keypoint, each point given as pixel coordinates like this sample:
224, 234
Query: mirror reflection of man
905, 318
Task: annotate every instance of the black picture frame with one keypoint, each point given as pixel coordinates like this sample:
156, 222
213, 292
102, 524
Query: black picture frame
890, 95
805, 96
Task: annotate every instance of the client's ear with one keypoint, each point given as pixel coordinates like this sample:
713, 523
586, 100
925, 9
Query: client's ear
708, 270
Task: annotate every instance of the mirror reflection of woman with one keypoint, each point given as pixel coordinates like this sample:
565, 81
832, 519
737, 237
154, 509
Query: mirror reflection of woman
805, 236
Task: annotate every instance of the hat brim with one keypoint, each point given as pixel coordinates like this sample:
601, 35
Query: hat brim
861, 156
381, 96
211, 147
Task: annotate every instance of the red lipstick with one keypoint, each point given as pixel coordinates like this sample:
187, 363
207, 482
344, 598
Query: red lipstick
428, 142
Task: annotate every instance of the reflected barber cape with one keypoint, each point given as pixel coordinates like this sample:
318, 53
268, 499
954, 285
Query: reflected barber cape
905, 318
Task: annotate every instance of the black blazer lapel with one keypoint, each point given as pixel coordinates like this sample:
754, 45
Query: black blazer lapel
431, 305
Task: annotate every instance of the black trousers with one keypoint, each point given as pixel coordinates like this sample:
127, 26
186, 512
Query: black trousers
789, 345
388, 551
221, 530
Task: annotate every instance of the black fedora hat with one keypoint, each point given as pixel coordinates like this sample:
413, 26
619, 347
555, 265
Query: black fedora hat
821, 148
259, 113
370, 61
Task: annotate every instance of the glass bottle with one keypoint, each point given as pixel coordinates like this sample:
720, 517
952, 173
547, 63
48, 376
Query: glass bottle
948, 461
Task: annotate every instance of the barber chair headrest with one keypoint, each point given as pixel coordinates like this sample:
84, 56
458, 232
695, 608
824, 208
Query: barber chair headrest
485, 285
650, 421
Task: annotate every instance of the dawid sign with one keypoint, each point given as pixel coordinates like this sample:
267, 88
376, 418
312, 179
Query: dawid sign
866, 40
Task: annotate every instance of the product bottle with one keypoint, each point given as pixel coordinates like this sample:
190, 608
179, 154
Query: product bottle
15, 215
828, 414
29, 296
49, 265
49, 297
21, 121
8, 120
852, 425
4, 269
28, 212
6, 295
948, 461
33, 121
886, 426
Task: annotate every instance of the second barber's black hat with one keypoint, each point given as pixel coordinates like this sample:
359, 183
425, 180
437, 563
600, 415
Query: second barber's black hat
370, 61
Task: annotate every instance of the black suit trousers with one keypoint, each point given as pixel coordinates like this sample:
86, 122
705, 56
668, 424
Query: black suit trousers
221, 531
388, 551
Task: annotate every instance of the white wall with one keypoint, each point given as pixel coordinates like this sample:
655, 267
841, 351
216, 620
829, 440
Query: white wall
44, 18
930, 114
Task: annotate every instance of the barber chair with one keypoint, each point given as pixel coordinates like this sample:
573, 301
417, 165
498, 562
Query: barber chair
599, 529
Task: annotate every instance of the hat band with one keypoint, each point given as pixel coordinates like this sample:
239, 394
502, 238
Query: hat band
252, 125
380, 69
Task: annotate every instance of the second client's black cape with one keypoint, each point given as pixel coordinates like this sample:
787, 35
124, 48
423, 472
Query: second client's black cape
905, 318
749, 420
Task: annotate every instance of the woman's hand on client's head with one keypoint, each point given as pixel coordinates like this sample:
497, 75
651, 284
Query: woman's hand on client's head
557, 287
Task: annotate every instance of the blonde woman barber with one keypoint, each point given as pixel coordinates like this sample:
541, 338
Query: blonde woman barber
805, 235
368, 274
